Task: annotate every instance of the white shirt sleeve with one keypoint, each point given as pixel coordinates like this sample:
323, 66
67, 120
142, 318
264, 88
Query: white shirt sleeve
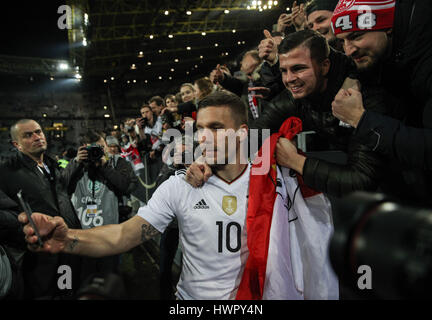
163, 205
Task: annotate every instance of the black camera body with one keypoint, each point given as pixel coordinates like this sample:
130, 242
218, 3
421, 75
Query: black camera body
95, 152
142, 122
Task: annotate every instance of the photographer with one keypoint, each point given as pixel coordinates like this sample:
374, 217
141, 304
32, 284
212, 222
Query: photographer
98, 190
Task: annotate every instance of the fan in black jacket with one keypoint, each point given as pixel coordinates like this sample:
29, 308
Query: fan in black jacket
403, 65
364, 169
44, 187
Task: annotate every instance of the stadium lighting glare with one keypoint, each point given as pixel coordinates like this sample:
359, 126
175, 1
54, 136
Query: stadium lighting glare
84, 42
170, 36
226, 11
188, 13
63, 66
166, 12
151, 36
78, 76
203, 33
106, 115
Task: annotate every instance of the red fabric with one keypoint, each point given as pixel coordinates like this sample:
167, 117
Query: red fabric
194, 114
262, 195
361, 15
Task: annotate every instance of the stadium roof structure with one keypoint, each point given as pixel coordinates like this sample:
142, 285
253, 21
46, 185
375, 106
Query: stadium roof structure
162, 43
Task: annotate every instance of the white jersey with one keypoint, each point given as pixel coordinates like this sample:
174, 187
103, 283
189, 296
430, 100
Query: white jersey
212, 229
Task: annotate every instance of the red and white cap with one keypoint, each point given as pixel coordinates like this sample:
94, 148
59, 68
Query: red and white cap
362, 15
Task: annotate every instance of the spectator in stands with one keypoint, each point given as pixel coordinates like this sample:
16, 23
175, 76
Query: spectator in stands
395, 52
187, 91
170, 101
150, 129
248, 78
150, 146
113, 145
318, 14
318, 18
202, 88
43, 185
294, 19
100, 183
156, 103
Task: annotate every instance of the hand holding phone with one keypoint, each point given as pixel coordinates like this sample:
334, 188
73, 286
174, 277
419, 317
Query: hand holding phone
25, 206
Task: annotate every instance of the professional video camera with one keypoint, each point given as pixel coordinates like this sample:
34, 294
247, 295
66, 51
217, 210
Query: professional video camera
391, 242
95, 152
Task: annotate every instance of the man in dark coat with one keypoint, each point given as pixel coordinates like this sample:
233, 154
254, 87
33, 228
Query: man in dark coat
44, 187
392, 40
313, 85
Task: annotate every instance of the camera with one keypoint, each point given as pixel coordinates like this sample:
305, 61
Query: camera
142, 122
95, 152
391, 240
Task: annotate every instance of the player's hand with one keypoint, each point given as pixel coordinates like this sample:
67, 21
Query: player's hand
53, 231
198, 173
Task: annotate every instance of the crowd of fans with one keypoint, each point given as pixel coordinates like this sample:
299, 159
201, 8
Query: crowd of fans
342, 79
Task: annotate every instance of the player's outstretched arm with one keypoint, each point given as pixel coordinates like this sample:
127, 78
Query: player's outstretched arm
96, 242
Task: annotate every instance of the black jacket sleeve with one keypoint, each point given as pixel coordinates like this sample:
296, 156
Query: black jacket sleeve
271, 78
389, 137
10, 228
233, 84
361, 173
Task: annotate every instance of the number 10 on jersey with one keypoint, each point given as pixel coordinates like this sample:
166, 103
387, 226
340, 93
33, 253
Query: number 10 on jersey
226, 233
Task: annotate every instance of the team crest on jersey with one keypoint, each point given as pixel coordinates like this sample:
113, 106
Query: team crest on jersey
229, 204
98, 186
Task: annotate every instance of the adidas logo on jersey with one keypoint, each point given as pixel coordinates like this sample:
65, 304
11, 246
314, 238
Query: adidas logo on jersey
201, 205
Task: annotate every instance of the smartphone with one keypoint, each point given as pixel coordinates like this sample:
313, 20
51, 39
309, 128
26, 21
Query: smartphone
25, 206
